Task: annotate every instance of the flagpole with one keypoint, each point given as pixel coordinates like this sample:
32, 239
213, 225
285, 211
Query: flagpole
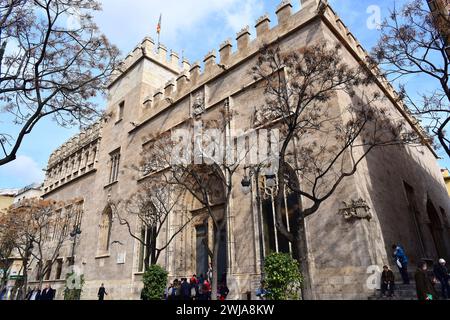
158, 29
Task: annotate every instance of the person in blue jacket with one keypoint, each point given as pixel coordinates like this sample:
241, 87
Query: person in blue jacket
402, 262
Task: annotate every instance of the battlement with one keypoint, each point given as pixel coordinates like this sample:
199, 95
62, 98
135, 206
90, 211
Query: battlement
350, 40
77, 142
193, 76
74, 159
157, 53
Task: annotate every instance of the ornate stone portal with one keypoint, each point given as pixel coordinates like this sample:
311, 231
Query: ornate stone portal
356, 209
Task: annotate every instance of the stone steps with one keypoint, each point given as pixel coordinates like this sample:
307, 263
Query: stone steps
402, 292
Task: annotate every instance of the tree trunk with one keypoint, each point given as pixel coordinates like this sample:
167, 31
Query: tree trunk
5, 275
25, 276
301, 253
41, 277
40, 284
441, 136
2, 285
214, 282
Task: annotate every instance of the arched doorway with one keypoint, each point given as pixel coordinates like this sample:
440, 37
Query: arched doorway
201, 249
436, 230
205, 236
204, 230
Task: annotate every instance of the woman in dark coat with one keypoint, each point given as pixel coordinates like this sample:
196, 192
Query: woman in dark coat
101, 292
424, 286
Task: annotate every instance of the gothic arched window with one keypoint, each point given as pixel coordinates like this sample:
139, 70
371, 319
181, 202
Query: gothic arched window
274, 241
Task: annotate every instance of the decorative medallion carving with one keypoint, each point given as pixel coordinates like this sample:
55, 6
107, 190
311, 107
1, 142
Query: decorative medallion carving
356, 209
263, 115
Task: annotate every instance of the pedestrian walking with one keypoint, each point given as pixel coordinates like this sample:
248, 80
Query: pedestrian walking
424, 286
207, 289
48, 293
35, 294
174, 291
402, 262
441, 273
209, 274
168, 292
202, 293
194, 287
3, 294
29, 293
193, 280
261, 292
177, 286
185, 290
223, 292
102, 292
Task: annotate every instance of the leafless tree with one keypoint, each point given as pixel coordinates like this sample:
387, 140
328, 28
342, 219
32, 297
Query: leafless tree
415, 42
53, 63
152, 207
202, 168
7, 236
322, 143
41, 228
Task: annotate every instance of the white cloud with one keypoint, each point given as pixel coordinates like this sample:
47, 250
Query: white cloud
122, 20
21, 172
238, 17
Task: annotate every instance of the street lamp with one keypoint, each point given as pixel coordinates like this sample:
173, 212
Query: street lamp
270, 180
75, 232
246, 184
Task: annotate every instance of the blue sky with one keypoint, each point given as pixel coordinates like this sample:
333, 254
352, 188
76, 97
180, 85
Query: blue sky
194, 27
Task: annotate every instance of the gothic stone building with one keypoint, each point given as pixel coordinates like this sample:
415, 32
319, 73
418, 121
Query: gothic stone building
402, 188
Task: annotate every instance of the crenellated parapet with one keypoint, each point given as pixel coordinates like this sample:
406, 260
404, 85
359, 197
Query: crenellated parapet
335, 22
75, 158
157, 53
262, 25
191, 77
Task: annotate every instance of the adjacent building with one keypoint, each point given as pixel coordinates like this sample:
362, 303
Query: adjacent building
29, 192
441, 8
446, 176
6, 198
15, 271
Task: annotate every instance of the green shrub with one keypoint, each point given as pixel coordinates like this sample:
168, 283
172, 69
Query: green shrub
283, 277
155, 281
74, 286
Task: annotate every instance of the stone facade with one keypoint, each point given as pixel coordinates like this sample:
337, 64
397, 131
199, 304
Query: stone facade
441, 9
401, 189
